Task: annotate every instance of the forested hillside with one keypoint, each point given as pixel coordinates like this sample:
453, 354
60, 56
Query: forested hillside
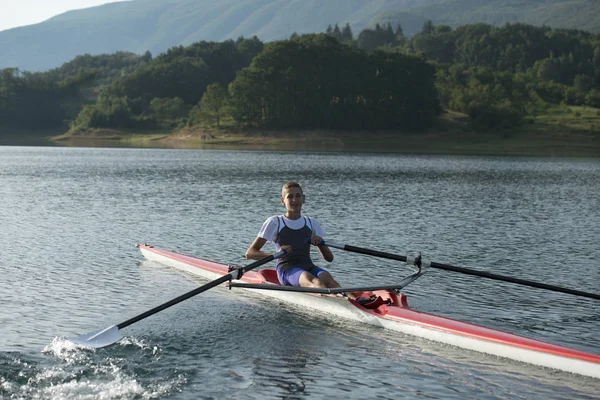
310, 81
50, 99
157, 25
500, 77
162, 93
571, 14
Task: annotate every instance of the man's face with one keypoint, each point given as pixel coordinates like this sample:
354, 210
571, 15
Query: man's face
292, 198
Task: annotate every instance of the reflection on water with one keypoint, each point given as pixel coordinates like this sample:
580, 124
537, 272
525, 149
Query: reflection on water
72, 217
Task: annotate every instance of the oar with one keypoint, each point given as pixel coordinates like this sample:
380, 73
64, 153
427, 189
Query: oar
391, 286
110, 335
463, 270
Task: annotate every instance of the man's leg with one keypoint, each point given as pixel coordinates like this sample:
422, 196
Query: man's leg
327, 280
306, 279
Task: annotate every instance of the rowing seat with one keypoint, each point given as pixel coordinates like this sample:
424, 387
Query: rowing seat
270, 275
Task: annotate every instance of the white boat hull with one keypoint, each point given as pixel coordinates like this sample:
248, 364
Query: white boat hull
403, 319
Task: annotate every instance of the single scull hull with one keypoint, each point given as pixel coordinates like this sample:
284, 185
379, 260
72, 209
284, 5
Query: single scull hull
400, 317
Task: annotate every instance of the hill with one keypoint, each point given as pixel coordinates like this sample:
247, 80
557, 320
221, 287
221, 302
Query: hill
157, 25
567, 14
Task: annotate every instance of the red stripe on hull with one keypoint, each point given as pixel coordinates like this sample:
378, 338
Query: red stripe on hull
402, 312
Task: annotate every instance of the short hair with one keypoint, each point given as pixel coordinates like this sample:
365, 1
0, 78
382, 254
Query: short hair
291, 184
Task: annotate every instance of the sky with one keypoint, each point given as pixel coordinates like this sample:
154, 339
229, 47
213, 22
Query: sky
15, 13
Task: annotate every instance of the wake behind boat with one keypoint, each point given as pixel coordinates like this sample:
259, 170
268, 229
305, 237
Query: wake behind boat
389, 309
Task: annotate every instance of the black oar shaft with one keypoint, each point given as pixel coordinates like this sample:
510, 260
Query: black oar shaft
199, 290
265, 286
466, 271
374, 253
517, 281
176, 300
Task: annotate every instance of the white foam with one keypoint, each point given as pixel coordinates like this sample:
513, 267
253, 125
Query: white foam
66, 350
107, 380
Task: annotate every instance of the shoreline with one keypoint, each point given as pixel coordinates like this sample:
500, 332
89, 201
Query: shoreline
521, 142
561, 132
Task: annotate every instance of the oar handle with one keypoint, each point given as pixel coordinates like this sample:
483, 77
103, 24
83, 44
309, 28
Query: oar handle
463, 270
235, 274
368, 252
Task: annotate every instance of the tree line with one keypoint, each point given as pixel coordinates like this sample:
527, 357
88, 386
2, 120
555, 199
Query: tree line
379, 79
309, 81
501, 75
49, 99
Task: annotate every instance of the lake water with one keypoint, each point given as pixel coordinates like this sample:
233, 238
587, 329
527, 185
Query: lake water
71, 217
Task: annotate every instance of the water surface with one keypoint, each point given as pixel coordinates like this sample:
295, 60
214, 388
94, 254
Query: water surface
71, 218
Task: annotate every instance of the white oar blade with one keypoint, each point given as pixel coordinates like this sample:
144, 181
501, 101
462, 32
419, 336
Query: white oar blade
100, 338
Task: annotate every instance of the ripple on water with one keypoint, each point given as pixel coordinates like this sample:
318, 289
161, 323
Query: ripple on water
69, 265
124, 371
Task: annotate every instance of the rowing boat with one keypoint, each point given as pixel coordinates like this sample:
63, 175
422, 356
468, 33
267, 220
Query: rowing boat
391, 311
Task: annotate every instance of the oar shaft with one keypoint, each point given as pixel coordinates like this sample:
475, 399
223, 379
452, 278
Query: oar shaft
517, 281
265, 286
176, 300
466, 271
210, 285
372, 252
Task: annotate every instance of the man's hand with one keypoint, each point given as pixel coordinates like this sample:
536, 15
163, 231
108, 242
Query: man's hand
316, 240
287, 248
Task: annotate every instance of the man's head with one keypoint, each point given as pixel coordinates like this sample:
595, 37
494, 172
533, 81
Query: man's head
292, 196
290, 185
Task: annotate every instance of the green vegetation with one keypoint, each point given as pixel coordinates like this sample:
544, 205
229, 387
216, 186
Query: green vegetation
501, 77
566, 14
162, 93
503, 80
46, 100
213, 106
314, 81
156, 25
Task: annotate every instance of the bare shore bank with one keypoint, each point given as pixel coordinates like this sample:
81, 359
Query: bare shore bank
516, 143
563, 132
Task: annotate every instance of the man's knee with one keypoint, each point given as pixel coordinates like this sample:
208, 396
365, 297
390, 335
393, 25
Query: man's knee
309, 280
328, 281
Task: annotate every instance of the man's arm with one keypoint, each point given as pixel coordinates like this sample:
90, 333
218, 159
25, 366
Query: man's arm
325, 253
254, 251
324, 250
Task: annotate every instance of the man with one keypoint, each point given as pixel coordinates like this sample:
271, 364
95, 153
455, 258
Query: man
290, 232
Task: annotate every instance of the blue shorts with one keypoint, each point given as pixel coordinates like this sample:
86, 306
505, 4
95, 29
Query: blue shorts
291, 276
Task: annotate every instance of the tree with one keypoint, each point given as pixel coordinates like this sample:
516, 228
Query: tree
248, 49
337, 33
593, 98
438, 44
389, 31
108, 112
399, 32
315, 81
427, 27
213, 103
167, 109
370, 39
347, 35
547, 69
582, 83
